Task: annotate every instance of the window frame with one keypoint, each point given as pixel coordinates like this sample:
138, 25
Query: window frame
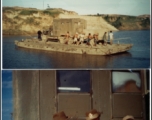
75, 92
141, 78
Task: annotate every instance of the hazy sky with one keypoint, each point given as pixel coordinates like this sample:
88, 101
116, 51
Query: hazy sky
127, 7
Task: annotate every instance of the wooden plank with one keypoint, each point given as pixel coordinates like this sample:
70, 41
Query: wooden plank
121, 119
127, 104
26, 95
47, 94
101, 85
16, 111
74, 104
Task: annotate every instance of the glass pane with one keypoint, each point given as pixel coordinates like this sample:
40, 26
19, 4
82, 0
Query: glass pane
73, 81
126, 82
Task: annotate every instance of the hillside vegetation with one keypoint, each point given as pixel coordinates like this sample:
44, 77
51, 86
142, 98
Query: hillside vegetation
19, 20
124, 22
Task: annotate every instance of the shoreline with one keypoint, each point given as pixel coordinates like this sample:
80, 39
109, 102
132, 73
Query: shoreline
34, 34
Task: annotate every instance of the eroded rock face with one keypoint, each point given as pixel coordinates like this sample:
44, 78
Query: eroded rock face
18, 20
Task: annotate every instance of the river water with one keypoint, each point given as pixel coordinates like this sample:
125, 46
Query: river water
21, 58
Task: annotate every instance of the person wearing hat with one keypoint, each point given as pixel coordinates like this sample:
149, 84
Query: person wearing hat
128, 117
93, 115
60, 116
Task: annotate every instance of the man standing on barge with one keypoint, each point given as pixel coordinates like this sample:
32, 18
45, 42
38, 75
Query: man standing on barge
111, 37
39, 35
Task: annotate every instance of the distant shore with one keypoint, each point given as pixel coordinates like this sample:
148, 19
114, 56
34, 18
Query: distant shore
35, 34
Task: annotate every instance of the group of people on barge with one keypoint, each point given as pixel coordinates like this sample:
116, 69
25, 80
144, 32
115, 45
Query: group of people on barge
90, 39
82, 38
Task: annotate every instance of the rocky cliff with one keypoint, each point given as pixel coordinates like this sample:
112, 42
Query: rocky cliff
18, 20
